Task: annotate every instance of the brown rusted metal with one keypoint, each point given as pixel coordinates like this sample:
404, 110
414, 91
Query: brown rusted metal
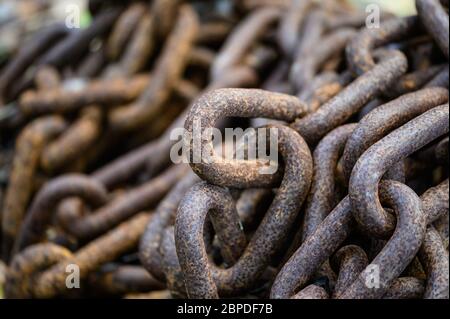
331, 45
322, 196
123, 29
370, 104
123, 207
208, 109
401, 247
107, 92
27, 56
156, 153
340, 108
123, 279
206, 280
359, 50
337, 226
141, 45
386, 118
370, 167
53, 259
291, 23
72, 144
163, 216
45, 202
351, 260
242, 39
434, 257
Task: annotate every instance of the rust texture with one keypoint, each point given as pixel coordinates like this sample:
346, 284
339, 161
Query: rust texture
340, 108
329, 178
168, 70
253, 103
435, 19
264, 243
371, 166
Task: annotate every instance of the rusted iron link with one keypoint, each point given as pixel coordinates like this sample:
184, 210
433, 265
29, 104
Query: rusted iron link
29, 145
72, 144
98, 117
77, 42
320, 80
163, 217
165, 12
331, 45
155, 23
312, 292
415, 80
384, 119
441, 79
241, 40
249, 205
47, 268
322, 196
434, 258
170, 264
123, 279
93, 64
76, 94
168, 71
337, 226
121, 208
312, 31
290, 26
314, 126
332, 232
27, 55
123, 29
212, 106
323, 88
47, 78
371, 166
442, 227
39, 215
401, 247
351, 260
68, 98
206, 280
435, 18
73, 46
21, 280
140, 47
213, 32
359, 50
304, 263
405, 288
441, 151
250, 5
155, 154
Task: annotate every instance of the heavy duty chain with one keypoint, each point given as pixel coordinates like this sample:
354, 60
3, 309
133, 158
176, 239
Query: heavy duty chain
110, 165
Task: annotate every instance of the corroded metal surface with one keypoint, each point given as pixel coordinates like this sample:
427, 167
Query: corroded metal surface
111, 162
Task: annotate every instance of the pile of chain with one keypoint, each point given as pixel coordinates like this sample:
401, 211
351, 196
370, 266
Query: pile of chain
358, 207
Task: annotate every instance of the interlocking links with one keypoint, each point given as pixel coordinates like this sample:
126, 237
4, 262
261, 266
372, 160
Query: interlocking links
211, 107
203, 279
